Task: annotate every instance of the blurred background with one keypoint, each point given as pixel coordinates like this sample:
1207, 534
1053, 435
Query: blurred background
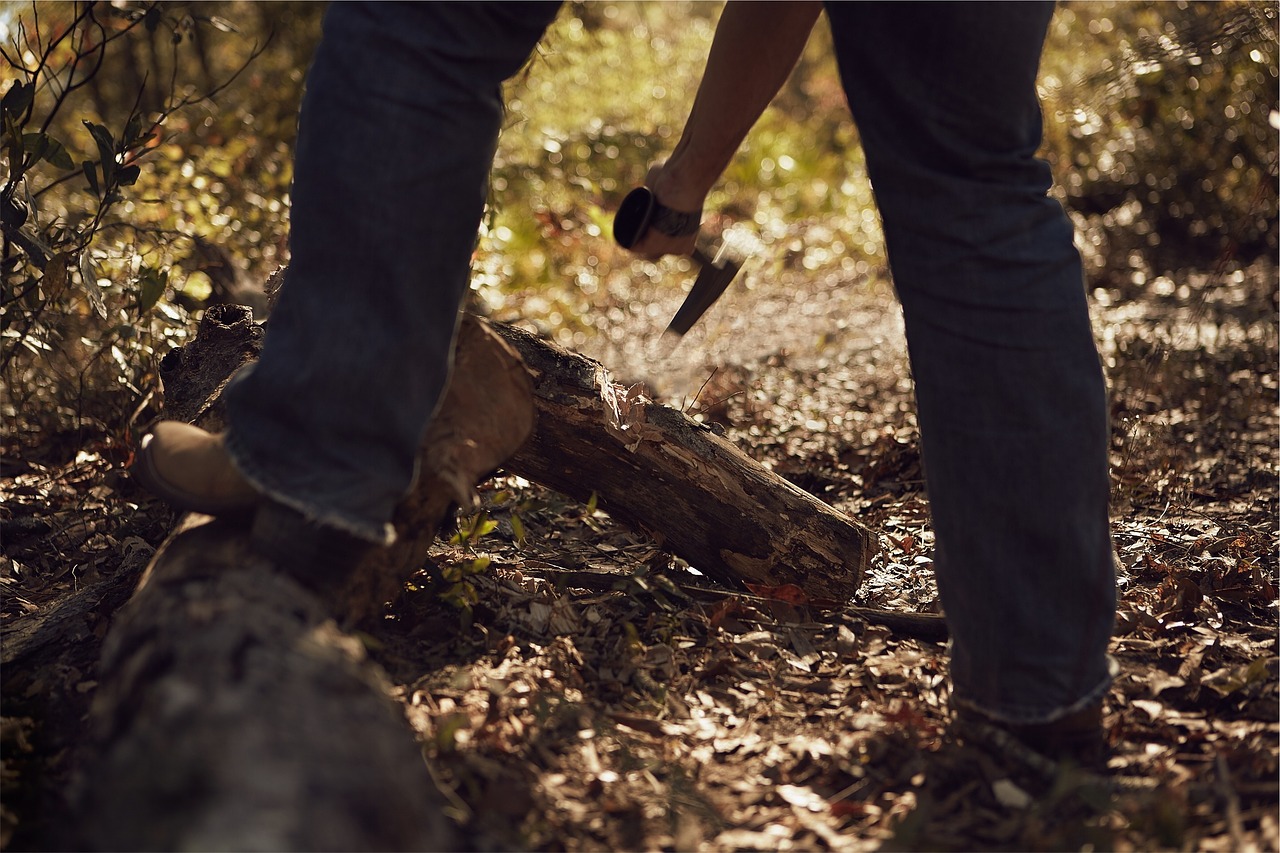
147, 155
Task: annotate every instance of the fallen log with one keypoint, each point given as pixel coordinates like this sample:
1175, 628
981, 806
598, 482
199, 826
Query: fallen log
657, 470
233, 714
649, 466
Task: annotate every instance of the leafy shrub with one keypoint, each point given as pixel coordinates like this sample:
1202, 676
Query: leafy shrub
97, 205
1164, 125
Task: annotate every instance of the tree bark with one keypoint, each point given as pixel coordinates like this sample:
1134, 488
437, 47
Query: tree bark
655, 469
234, 715
650, 466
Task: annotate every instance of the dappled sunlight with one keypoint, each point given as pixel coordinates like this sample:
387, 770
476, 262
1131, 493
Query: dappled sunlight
575, 684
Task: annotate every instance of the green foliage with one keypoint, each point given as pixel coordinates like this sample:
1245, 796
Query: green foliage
472, 528
454, 582
132, 130
1156, 125
1163, 123
98, 121
607, 97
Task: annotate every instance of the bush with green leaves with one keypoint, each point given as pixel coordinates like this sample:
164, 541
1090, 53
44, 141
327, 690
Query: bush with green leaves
1162, 123
101, 98
1157, 119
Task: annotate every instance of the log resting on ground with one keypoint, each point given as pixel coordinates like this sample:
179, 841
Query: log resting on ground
649, 466
233, 714
658, 470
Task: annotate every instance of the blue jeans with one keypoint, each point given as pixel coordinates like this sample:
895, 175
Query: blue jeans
397, 133
395, 141
1009, 388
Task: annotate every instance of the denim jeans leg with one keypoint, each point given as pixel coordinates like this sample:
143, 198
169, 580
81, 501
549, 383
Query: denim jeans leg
396, 138
1010, 392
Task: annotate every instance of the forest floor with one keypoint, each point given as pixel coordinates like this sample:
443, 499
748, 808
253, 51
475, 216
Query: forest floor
600, 695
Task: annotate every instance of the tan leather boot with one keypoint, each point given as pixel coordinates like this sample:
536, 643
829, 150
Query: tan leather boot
191, 469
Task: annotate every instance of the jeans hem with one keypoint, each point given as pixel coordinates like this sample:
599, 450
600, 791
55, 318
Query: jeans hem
377, 535
1022, 717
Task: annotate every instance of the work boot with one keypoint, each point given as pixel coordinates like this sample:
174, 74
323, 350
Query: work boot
320, 557
191, 469
1078, 737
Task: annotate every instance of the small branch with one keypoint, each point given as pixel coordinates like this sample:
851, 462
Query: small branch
31, 319
20, 294
701, 388
75, 173
257, 51
1230, 799
45, 56
924, 626
33, 250
13, 63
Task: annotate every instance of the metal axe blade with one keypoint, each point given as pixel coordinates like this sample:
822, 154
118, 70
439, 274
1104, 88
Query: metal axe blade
712, 281
630, 222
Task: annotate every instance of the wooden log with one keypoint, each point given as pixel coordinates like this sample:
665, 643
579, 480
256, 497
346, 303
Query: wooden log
649, 465
233, 714
195, 374
657, 470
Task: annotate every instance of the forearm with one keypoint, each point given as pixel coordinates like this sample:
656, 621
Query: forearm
755, 48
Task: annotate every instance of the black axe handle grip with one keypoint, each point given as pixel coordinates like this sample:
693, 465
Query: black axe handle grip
641, 210
632, 218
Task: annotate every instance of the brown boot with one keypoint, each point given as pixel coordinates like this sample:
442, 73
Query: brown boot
191, 469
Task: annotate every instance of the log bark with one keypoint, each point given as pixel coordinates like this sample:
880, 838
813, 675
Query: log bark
233, 714
655, 469
195, 375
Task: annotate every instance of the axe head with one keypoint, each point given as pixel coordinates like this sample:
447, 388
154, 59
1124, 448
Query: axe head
629, 224
712, 281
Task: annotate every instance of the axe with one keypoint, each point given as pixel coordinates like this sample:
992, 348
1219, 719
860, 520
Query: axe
638, 212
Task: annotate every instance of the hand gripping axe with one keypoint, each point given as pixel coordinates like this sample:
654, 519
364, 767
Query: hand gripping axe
639, 211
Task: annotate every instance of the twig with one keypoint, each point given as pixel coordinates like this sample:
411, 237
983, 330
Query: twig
447, 791
1231, 800
701, 388
924, 626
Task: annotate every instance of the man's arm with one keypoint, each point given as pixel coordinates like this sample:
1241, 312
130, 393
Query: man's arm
756, 46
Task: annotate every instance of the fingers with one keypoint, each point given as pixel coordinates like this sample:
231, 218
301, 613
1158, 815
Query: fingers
653, 244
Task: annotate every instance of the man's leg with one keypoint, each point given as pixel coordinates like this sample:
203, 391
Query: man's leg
1011, 399
396, 138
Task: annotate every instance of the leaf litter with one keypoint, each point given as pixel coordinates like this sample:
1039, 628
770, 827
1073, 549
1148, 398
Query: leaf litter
581, 689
